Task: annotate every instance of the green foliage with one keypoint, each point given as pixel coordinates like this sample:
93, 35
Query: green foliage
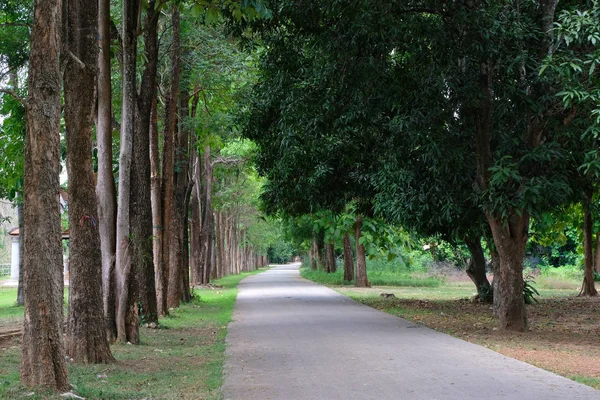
529, 291
12, 145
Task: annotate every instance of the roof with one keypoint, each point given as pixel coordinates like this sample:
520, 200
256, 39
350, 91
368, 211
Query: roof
14, 232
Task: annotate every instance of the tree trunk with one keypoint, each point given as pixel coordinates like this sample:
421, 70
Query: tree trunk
330, 258
20, 289
476, 270
105, 187
361, 258
178, 213
157, 210
140, 213
43, 353
186, 295
320, 250
510, 239
348, 262
171, 101
127, 311
86, 340
314, 255
207, 219
588, 287
195, 224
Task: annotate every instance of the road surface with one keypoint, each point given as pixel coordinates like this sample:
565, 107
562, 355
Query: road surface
293, 339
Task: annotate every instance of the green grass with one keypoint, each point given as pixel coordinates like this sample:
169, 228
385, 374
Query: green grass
10, 313
182, 360
587, 380
377, 278
445, 291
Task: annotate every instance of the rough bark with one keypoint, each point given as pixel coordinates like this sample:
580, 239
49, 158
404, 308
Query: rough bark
156, 200
140, 213
127, 311
43, 354
208, 225
314, 254
178, 209
86, 340
330, 258
105, 187
510, 239
320, 250
588, 287
348, 262
186, 294
20, 289
168, 169
361, 258
476, 270
195, 224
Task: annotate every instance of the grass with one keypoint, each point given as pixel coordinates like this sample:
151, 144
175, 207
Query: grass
377, 278
181, 360
10, 314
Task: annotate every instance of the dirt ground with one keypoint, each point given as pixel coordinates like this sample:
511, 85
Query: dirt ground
564, 335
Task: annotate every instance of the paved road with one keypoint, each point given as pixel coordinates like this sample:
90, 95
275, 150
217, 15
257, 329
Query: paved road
292, 339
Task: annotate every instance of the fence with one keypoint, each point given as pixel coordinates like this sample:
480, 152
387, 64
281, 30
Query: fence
4, 269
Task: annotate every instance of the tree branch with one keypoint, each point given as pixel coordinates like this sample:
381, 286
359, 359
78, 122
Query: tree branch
13, 94
77, 60
229, 160
21, 24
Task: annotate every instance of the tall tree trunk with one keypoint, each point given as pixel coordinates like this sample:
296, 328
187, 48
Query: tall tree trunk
168, 169
127, 310
361, 257
43, 353
476, 270
348, 262
588, 287
208, 225
186, 295
157, 210
20, 289
86, 340
178, 215
330, 257
195, 224
140, 213
105, 187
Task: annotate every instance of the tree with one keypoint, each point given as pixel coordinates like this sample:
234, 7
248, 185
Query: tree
168, 166
573, 66
126, 299
105, 187
140, 206
86, 340
43, 358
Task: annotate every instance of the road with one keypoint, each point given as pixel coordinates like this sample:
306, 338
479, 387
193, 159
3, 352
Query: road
293, 339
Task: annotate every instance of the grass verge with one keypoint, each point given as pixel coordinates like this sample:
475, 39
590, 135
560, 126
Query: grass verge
181, 360
377, 278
